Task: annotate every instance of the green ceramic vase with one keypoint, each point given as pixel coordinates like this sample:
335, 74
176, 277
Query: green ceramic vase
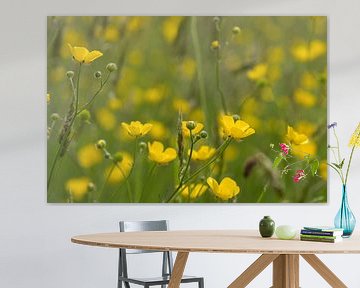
267, 227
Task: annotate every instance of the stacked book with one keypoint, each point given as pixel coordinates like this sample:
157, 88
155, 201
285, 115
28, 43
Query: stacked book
321, 234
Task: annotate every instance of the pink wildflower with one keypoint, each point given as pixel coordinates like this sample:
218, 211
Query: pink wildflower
284, 148
300, 174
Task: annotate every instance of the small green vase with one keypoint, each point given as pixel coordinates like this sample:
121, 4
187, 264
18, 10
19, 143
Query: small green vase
267, 227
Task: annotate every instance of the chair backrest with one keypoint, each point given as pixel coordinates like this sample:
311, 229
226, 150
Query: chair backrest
137, 226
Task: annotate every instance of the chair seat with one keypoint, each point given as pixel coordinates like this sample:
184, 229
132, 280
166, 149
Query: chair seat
158, 280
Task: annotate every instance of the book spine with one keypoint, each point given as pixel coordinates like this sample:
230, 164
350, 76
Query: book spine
317, 239
319, 236
319, 233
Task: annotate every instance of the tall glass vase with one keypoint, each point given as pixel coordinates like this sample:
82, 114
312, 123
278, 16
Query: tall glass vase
345, 219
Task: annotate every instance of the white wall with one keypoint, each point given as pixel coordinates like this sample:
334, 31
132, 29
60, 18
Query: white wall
35, 248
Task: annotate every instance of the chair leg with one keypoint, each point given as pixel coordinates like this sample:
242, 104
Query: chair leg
201, 283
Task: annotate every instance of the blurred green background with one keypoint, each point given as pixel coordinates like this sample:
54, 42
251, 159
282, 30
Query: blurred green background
271, 70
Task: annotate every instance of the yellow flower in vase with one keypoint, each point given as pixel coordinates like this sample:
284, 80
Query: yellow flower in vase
136, 128
226, 190
83, 55
158, 154
203, 153
355, 137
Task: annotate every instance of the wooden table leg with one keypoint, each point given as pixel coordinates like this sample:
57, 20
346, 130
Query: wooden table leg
178, 269
286, 271
253, 270
324, 271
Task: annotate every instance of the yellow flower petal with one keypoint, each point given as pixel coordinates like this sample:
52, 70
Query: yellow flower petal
158, 155
90, 57
82, 54
136, 128
226, 190
296, 138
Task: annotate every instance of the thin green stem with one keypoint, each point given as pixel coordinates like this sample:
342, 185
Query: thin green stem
217, 69
102, 84
218, 152
148, 178
348, 166
200, 76
106, 181
186, 168
76, 100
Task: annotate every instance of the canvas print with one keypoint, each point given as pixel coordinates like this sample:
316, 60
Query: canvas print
178, 109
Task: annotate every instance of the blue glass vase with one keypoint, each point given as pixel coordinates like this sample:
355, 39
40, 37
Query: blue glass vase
345, 219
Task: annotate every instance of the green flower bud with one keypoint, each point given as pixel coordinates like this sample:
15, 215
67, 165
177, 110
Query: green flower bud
190, 125
197, 138
85, 115
101, 144
55, 117
91, 187
97, 74
70, 74
236, 117
142, 146
236, 30
111, 67
118, 157
203, 134
216, 19
215, 44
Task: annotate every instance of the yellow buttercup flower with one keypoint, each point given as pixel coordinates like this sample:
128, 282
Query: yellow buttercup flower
304, 98
88, 156
159, 155
136, 128
83, 55
303, 150
111, 33
309, 81
198, 128
194, 191
258, 72
203, 153
181, 105
77, 187
158, 130
296, 138
236, 129
355, 138
171, 28
106, 119
306, 128
226, 190
188, 67
308, 52
121, 170
114, 103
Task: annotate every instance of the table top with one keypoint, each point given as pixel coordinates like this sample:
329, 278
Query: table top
217, 241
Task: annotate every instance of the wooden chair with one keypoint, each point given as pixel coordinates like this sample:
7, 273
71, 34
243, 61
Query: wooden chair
167, 262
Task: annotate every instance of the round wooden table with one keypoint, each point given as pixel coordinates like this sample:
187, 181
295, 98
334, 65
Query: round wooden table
284, 254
